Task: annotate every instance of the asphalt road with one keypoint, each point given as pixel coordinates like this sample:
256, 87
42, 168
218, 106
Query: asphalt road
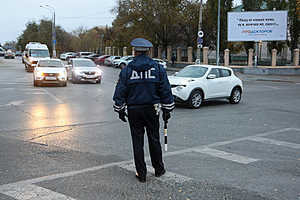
67, 143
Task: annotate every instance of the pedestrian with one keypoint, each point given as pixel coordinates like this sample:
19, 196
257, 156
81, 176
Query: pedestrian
173, 59
142, 87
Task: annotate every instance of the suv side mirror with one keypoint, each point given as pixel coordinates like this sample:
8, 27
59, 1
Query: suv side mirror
211, 76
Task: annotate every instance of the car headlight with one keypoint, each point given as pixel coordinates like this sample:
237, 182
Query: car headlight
180, 87
62, 74
39, 74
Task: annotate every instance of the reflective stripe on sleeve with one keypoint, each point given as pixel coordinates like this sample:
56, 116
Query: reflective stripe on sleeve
118, 108
169, 107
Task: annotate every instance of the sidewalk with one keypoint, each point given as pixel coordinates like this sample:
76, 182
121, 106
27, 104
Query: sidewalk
289, 74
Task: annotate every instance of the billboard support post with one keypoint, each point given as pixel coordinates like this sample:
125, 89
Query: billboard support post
256, 54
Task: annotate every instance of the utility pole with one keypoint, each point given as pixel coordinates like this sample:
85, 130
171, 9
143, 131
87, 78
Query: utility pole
199, 30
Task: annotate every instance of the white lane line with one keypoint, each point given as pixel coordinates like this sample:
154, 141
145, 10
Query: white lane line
32, 192
226, 155
275, 142
168, 177
67, 174
13, 103
53, 96
73, 173
271, 87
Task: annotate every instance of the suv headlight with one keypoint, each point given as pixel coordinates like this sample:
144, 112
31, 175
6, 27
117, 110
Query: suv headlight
180, 87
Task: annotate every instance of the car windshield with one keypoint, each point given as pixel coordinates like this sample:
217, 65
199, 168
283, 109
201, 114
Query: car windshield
83, 63
39, 53
192, 72
50, 63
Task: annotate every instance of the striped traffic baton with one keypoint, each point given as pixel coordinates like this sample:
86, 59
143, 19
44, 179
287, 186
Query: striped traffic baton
166, 135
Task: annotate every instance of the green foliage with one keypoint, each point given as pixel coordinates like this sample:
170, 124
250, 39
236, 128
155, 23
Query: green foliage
294, 21
164, 22
211, 23
42, 33
251, 5
277, 5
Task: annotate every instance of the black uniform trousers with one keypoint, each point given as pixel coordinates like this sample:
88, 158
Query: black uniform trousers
141, 117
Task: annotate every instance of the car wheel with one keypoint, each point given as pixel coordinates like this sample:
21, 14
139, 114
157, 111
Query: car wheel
99, 81
196, 99
235, 96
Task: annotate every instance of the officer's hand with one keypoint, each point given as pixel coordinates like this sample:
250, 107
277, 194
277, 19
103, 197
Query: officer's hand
166, 115
122, 115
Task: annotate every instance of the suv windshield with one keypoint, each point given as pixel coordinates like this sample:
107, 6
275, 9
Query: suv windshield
50, 63
83, 63
39, 53
192, 72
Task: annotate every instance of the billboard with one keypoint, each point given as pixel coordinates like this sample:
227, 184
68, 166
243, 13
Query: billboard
257, 26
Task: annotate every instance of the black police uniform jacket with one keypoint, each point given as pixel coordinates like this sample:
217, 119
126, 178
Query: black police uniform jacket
143, 82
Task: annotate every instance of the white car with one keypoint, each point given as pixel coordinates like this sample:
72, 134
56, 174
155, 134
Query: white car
50, 71
109, 60
197, 83
161, 62
64, 56
84, 70
122, 62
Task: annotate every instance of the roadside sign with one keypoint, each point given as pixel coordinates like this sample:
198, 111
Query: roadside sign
200, 40
200, 34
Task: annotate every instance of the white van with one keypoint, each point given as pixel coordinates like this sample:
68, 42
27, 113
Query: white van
33, 52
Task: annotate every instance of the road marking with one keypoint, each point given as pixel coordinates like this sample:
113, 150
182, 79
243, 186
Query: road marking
168, 177
35, 93
121, 163
53, 96
226, 155
12, 103
275, 142
271, 87
67, 174
32, 192
6, 83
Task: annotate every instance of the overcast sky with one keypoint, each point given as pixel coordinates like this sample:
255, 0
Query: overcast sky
70, 14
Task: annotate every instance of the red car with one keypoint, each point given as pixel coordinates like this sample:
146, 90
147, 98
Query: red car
100, 60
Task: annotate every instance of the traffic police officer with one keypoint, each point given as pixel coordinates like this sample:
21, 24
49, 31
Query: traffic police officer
142, 87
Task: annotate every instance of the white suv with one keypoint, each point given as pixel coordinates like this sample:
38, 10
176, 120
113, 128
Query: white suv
197, 83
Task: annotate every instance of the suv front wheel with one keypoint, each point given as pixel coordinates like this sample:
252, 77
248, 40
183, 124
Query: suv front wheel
195, 99
235, 96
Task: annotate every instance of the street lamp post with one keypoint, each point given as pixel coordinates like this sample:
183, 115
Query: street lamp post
199, 29
218, 41
53, 28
